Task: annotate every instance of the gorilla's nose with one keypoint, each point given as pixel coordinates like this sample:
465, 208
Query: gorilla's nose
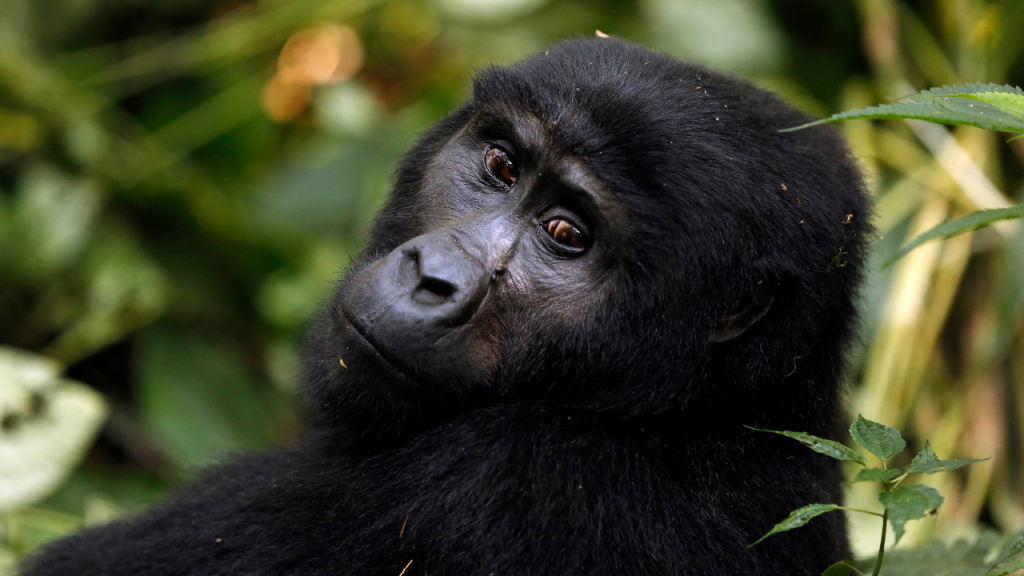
409, 307
447, 282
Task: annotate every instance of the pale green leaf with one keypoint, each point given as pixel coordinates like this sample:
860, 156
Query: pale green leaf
957, 226
876, 475
798, 518
49, 424
962, 558
908, 503
880, 440
1005, 567
946, 105
1017, 546
926, 462
821, 445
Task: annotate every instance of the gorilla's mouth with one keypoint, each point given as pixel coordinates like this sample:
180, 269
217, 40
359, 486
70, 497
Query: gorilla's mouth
390, 366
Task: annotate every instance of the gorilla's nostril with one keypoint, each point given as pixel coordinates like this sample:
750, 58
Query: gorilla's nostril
437, 286
433, 291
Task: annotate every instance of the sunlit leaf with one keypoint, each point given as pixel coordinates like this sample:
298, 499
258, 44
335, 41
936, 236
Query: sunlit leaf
1005, 101
926, 462
880, 440
48, 425
798, 518
957, 226
908, 503
876, 475
944, 105
821, 445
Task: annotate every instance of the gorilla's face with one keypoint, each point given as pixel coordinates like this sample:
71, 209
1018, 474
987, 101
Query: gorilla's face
599, 227
517, 242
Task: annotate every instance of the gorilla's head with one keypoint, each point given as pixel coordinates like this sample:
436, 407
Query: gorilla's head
605, 229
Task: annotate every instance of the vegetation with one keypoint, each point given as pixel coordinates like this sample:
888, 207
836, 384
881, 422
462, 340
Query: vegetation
182, 181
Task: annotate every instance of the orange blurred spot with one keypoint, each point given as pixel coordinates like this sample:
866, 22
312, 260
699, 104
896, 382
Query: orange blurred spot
284, 100
324, 54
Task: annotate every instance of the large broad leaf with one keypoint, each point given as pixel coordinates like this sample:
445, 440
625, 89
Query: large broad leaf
49, 423
798, 518
946, 105
821, 445
880, 440
908, 503
926, 462
935, 559
957, 226
876, 475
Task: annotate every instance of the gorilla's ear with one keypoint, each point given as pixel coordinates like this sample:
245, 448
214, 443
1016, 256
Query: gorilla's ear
751, 309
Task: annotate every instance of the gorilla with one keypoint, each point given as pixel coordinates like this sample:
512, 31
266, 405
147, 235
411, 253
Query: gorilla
586, 280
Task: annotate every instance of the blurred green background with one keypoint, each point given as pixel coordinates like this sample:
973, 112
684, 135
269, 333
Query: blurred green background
181, 181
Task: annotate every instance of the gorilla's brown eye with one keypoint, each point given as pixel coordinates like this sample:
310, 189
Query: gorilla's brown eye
564, 233
501, 166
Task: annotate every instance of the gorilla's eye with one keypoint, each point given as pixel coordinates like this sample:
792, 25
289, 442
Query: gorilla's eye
501, 166
564, 233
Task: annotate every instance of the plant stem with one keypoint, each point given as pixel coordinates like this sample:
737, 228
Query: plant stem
881, 546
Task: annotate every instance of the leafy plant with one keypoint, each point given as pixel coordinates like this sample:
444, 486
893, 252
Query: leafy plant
988, 106
901, 503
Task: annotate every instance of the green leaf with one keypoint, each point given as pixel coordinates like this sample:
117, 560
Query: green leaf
842, 568
821, 446
1005, 567
908, 503
880, 440
798, 518
957, 226
1007, 102
946, 105
1018, 545
936, 559
876, 475
926, 462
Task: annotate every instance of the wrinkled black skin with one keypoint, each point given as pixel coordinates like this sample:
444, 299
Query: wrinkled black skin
585, 419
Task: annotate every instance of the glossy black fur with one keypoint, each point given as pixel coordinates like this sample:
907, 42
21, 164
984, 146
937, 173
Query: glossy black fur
602, 432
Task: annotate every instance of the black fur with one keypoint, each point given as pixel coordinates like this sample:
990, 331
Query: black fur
594, 427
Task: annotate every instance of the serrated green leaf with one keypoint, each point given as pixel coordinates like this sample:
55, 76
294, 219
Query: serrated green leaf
957, 226
880, 440
842, 568
1005, 567
798, 518
945, 105
1012, 103
926, 462
876, 475
908, 503
821, 445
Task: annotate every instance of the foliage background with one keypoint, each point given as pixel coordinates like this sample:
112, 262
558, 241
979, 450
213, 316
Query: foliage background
181, 181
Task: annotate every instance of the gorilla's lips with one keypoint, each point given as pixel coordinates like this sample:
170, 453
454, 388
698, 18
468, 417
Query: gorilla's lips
391, 368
